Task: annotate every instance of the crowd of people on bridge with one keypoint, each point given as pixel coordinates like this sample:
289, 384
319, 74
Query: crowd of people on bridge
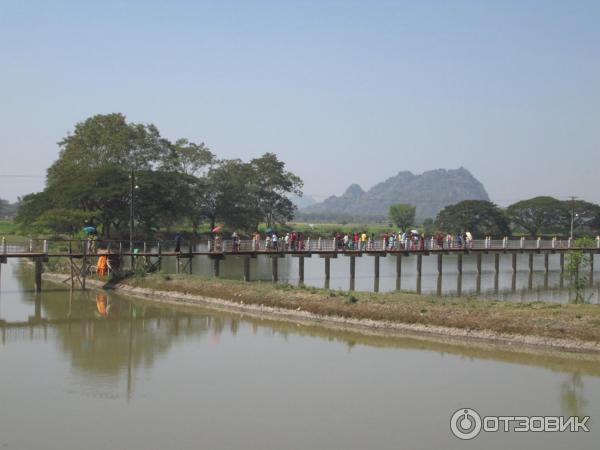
348, 241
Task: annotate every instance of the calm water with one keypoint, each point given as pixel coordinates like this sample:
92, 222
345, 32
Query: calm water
109, 373
518, 286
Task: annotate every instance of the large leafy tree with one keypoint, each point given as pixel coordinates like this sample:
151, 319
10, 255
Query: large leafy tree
271, 185
539, 215
188, 158
402, 215
480, 217
108, 139
586, 220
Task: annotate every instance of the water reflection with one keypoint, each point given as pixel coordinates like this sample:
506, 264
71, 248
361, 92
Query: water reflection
234, 381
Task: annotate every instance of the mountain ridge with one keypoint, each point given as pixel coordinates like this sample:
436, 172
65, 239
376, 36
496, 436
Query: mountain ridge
430, 192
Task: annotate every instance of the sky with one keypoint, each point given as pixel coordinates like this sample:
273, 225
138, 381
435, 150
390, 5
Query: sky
343, 91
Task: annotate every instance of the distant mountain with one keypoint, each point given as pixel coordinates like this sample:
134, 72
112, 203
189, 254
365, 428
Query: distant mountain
429, 192
302, 202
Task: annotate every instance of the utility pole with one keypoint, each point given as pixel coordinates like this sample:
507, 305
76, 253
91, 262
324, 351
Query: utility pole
131, 189
572, 197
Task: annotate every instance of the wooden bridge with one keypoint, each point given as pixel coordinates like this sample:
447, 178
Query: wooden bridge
148, 255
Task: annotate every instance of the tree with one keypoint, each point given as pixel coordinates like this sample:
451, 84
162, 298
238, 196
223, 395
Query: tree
539, 215
188, 158
480, 217
402, 215
61, 220
109, 140
587, 217
31, 206
577, 267
271, 186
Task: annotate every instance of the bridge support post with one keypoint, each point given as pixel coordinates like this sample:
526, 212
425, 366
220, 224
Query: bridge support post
398, 272
84, 268
531, 262
419, 272
38, 274
327, 268
376, 267
191, 258
497, 263
159, 262
71, 265
591, 280
216, 267
274, 268
562, 262
478, 264
246, 268
352, 267
514, 263
301, 269
459, 265
546, 262
439, 264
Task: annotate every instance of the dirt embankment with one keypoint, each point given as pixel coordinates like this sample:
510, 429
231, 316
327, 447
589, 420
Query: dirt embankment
570, 327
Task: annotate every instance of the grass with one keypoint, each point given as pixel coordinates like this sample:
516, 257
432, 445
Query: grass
11, 231
527, 318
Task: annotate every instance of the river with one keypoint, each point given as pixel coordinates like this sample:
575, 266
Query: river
96, 370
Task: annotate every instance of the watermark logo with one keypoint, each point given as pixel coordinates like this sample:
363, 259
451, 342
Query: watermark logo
466, 423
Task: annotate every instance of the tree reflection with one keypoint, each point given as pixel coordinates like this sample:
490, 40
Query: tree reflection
572, 398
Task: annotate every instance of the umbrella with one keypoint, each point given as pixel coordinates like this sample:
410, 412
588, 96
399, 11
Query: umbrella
216, 229
89, 230
269, 230
414, 231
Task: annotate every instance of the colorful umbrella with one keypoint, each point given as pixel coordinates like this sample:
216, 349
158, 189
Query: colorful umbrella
89, 230
216, 229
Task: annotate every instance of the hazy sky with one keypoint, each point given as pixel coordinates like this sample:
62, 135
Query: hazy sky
343, 91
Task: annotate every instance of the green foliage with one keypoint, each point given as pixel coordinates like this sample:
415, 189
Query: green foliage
577, 267
402, 215
62, 220
90, 183
539, 215
586, 220
108, 140
480, 217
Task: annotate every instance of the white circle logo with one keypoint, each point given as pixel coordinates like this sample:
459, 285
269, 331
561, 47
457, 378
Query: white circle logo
465, 423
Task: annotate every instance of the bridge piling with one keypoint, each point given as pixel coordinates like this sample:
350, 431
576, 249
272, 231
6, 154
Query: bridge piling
530, 262
216, 267
514, 262
546, 262
562, 262
439, 264
478, 259
327, 268
246, 268
398, 272
459, 263
274, 268
352, 267
38, 274
301, 269
497, 263
376, 267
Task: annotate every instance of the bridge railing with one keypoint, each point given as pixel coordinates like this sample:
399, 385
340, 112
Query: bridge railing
329, 244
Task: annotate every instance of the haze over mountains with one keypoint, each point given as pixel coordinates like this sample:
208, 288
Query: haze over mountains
429, 192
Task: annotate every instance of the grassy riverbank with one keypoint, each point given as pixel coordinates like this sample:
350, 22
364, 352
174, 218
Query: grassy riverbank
537, 319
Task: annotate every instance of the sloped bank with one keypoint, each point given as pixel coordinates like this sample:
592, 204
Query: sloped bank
539, 324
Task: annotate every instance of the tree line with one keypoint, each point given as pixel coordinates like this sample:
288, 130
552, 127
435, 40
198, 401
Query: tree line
538, 216
173, 184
